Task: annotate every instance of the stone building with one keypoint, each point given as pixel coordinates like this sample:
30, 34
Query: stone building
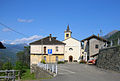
72, 47
92, 45
39, 50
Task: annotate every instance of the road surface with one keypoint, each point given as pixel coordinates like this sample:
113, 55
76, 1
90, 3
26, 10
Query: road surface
83, 72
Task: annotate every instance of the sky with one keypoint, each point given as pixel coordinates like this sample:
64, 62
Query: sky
39, 18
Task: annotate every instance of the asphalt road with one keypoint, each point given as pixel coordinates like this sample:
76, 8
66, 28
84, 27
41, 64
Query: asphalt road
83, 72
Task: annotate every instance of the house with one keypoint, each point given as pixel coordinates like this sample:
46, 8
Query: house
48, 48
92, 45
72, 47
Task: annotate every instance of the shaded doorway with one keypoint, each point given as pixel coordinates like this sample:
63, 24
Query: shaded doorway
70, 58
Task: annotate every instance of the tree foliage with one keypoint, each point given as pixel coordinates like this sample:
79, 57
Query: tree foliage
7, 66
24, 57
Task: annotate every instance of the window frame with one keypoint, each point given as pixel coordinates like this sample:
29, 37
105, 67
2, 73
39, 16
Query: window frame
96, 46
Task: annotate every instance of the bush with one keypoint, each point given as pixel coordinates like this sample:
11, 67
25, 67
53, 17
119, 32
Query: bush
43, 61
60, 62
7, 66
82, 62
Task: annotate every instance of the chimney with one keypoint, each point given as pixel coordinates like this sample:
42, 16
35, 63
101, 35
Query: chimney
50, 38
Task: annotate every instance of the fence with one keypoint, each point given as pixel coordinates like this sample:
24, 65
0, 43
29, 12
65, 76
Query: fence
10, 75
49, 67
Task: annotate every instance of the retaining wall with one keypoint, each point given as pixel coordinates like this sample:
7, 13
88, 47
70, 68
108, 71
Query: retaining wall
109, 58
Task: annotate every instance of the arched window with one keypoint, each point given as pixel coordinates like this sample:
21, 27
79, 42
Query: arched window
67, 35
44, 50
56, 48
70, 49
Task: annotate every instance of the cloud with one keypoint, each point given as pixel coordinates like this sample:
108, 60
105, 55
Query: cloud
6, 30
25, 20
6, 41
26, 40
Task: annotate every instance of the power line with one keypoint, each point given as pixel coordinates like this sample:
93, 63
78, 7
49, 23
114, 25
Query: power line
13, 30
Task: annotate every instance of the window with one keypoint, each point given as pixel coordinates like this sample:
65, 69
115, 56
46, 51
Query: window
44, 50
56, 48
70, 49
45, 58
67, 35
82, 52
96, 46
56, 58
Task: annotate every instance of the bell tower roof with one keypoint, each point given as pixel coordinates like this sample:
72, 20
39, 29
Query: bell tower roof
68, 29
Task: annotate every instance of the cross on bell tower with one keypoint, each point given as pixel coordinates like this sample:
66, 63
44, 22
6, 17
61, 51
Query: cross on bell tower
67, 33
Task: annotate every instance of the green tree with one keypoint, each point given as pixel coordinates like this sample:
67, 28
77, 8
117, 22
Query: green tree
7, 66
18, 65
1, 64
24, 57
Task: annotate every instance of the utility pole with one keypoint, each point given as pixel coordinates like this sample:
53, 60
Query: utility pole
102, 40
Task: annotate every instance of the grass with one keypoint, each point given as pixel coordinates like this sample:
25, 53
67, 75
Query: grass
28, 76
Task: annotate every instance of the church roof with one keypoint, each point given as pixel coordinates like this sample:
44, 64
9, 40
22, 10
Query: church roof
49, 40
72, 38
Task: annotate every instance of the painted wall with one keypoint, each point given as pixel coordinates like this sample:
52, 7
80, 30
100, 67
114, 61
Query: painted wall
75, 45
39, 49
35, 59
93, 42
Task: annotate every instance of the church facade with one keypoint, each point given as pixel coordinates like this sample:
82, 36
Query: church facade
72, 47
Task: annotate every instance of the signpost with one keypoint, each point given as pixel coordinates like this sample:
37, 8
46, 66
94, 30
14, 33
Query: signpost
49, 53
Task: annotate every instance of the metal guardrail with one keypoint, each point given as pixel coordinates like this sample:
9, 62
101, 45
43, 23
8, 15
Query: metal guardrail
10, 75
49, 67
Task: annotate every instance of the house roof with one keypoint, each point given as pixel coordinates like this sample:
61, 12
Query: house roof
49, 40
2, 46
96, 37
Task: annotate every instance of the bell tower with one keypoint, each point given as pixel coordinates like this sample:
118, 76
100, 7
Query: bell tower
67, 33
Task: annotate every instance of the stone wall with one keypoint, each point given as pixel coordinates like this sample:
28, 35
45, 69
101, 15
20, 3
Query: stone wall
109, 58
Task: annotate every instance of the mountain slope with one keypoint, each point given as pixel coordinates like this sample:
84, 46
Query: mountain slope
110, 34
10, 52
114, 38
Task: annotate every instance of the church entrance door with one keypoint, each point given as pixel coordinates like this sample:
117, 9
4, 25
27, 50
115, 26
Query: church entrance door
70, 58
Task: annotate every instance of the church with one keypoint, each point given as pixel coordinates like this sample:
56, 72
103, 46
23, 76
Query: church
72, 47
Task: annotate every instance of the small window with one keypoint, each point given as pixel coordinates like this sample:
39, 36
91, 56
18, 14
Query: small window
56, 58
67, 35
45, 58
56, 48
96, 46
70, 49
44, 50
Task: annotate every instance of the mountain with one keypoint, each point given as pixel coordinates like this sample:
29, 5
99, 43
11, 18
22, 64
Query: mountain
110, 34
113, 36
9, 54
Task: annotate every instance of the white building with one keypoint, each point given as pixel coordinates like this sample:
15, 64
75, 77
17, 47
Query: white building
72, 47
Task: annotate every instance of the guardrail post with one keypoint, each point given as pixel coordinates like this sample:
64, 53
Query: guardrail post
47, 67
56, 69
52, 68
